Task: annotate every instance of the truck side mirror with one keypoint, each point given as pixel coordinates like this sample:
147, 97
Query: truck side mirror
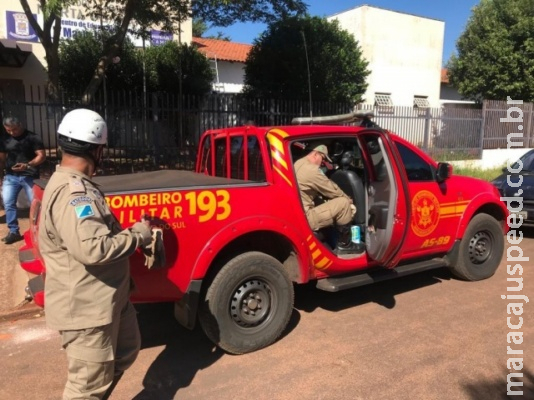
443, 172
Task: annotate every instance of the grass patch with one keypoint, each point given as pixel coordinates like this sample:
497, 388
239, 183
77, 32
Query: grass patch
484, 174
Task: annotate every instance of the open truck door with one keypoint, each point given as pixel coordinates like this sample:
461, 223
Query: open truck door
387, 199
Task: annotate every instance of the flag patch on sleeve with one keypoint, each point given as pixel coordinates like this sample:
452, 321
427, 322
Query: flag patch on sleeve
84, 211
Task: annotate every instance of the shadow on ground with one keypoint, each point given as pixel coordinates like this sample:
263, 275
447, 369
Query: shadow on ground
185, 352
308, 297
498, 389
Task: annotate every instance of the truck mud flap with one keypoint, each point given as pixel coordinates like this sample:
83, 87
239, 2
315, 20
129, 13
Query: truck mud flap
185, 310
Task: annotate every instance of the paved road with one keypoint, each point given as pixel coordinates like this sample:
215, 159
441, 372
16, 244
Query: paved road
421, 337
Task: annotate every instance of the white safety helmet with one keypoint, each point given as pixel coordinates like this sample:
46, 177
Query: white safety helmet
83, 125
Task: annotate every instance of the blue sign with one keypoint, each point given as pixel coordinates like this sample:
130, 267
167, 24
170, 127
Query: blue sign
157, 38
19, 28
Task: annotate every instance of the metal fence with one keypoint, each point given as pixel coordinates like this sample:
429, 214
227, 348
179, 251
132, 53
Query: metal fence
162, 130
502, 119
159, 130
450, 132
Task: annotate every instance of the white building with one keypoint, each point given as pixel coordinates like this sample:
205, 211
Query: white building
227, 61
404, 53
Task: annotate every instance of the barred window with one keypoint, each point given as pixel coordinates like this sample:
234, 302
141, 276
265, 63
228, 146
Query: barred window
383, 100
384, 104
421, 102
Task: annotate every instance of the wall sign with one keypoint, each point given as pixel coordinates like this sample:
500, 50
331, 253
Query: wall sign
18, 27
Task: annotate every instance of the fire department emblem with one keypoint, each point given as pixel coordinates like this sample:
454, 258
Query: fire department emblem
425, 213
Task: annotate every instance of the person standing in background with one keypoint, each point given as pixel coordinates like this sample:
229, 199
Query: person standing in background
21, 154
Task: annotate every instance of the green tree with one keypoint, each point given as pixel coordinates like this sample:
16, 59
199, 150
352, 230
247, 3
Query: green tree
163, 66
138, 15
276, 66
79, 55
199, 27
495, 53
172, 65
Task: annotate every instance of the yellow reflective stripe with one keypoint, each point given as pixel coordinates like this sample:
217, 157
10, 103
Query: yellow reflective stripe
283, 176
280, 132
322, 264
447, 210
276, 155
461, 209
276, 143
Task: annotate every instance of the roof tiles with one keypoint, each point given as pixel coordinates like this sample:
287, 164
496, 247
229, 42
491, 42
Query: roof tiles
222, 50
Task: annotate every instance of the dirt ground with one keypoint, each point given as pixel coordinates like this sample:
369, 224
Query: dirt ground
12, 278
426, 336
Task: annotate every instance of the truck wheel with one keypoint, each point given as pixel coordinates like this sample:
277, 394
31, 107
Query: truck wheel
248, 304
481, 249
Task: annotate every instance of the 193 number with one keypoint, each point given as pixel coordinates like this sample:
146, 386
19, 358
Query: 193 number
209, 204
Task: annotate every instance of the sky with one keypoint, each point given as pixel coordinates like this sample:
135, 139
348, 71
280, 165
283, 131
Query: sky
454, 13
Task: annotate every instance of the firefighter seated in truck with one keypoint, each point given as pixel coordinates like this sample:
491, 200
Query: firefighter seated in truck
337, 211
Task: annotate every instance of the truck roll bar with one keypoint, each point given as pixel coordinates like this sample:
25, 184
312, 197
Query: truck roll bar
359, 115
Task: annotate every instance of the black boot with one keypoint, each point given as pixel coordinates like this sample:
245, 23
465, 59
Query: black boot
345, 245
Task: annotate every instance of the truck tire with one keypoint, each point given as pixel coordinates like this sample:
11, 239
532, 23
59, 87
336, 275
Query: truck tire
248, 304
481, 249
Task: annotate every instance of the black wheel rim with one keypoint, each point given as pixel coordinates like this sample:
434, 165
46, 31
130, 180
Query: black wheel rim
480, 247
251, 303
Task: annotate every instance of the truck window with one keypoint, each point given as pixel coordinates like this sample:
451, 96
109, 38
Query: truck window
377, 158
246, 165
416, 168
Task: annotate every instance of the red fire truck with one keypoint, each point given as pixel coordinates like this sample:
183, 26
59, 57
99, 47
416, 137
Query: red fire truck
237, 240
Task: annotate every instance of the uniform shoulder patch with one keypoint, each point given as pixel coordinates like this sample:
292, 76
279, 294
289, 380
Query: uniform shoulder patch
76, 185
81, 199
84, 211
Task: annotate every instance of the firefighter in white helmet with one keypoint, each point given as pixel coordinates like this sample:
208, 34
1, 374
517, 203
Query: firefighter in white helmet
86, 252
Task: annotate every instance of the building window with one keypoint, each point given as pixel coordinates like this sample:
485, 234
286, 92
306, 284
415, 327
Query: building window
421, 105
383, 103
383, 100
421, 102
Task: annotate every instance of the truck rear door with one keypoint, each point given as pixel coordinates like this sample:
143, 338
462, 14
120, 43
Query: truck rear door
387, 199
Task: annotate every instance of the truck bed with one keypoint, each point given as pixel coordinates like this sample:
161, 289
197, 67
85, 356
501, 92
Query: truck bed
158, 181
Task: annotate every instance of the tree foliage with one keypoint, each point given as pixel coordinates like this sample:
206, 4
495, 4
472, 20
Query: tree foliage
200, 28
168, 62
495, 53
277, 67
79, 55
139, 16
228, 12
163, 66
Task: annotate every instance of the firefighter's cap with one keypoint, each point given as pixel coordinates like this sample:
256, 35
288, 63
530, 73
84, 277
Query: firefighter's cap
322, 149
